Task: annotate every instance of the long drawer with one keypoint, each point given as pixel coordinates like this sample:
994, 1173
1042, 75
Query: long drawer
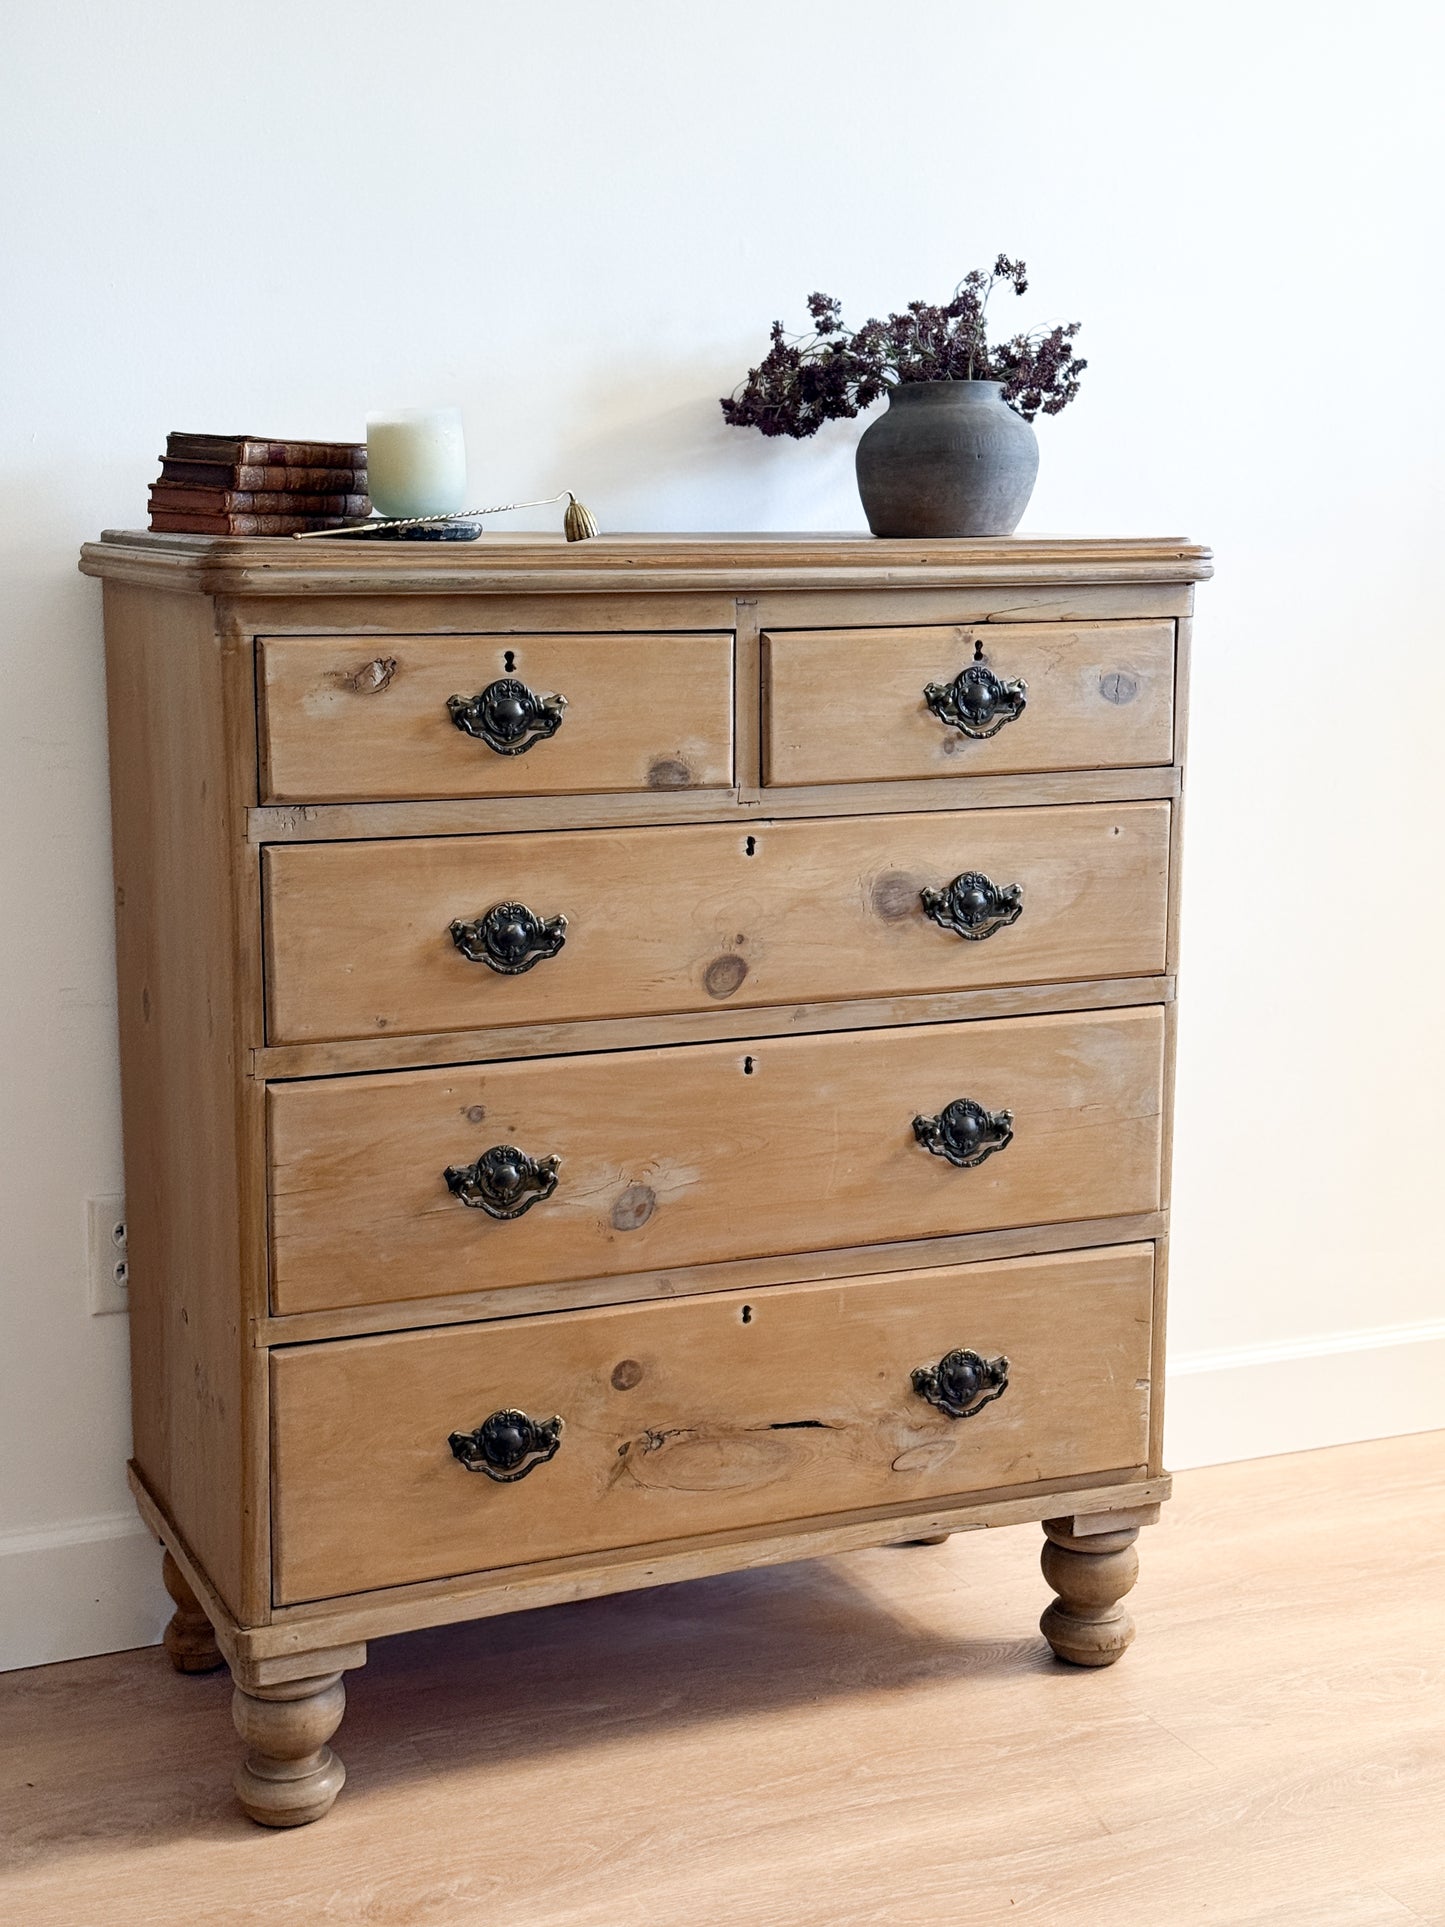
456, 933
575, 1167
346, 718
701, 1415
869, 705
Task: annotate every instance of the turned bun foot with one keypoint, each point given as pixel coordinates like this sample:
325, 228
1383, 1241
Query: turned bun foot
290, 1776
1086, 1625
188, 1638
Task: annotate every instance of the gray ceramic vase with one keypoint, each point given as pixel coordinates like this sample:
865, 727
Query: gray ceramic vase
948, 458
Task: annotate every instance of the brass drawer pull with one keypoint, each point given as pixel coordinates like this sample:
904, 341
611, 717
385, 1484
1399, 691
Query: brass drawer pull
504, 1182
965, 1133
971, 906
509, 938
977, 701
507, 1446
507, 716
962, 1382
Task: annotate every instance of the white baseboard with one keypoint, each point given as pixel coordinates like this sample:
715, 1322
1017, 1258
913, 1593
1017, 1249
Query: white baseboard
92, 1586
1252, 1402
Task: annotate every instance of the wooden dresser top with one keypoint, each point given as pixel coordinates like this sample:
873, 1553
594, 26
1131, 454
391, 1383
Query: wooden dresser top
216, 565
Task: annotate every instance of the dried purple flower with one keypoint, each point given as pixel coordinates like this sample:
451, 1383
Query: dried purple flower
801, 383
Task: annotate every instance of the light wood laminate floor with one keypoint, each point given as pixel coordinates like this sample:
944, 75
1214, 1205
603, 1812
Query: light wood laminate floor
879, 1740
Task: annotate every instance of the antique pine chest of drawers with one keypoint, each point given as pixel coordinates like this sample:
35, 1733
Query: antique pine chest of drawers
638, 1059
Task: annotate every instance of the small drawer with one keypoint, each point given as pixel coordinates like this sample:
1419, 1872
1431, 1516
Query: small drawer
460, 933
882, 705
362, 719
417, 1184
702, 1415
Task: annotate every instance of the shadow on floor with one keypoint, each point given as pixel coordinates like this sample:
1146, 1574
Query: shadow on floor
740, 1644
120, 1753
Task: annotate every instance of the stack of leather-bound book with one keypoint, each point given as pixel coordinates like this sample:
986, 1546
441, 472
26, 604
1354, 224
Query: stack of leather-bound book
242, 485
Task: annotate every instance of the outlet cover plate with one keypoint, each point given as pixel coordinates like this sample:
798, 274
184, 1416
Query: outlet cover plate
107, 1263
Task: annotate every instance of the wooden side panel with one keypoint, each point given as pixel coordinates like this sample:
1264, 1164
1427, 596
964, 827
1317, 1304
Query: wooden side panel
177, 798
847, 706
701, 1416
695, 918
685, 1156
354, 717
1182, 663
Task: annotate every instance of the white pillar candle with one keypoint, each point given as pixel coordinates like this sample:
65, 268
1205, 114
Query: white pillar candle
416, 462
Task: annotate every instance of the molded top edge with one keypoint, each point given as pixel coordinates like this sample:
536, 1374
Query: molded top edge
276, 565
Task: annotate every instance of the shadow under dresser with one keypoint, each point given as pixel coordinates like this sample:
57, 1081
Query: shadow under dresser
639, 1059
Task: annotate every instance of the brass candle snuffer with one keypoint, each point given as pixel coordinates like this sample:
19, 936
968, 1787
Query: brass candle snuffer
578, 523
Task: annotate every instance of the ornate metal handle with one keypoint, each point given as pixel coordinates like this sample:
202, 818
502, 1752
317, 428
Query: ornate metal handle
962, 1382
971, 906
977, 701
508, 1445
504, 1182
510, 938
965, 1133
507, 716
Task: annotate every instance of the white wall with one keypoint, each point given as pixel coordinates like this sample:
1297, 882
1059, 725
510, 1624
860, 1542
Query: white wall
578, 220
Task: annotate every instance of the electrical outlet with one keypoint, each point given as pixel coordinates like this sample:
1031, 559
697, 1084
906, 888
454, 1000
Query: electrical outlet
109, 1264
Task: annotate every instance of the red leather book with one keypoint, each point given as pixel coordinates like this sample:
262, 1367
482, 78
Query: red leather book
265, 475
248, 451
198, 524
172, 499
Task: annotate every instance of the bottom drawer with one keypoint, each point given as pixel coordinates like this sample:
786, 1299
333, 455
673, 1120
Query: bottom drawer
700, 1415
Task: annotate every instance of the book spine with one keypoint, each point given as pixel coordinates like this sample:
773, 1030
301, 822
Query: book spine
242, 451
173, 498
163, 523
310, 481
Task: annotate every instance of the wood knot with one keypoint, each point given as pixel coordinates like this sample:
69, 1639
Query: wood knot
1118, 686
634, 1207
668, 773
894, 896
371, 678
626, 1374
724, 975
691, 1459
